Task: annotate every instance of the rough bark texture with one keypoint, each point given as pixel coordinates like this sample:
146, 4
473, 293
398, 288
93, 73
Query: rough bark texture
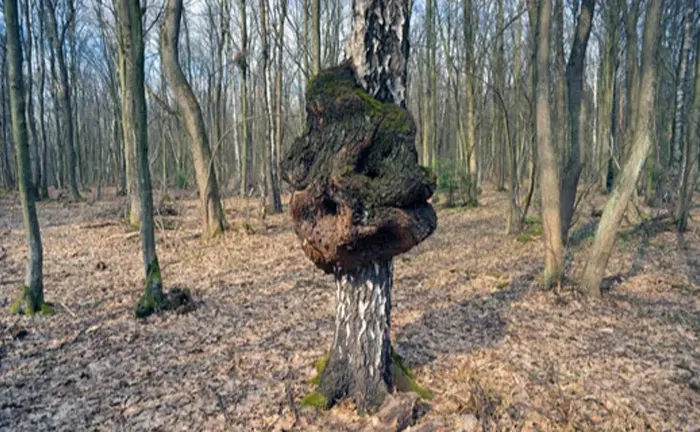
378, 48
549, 170
213, 222
359, 194
31, 298
359, 362
574, 81
622, 192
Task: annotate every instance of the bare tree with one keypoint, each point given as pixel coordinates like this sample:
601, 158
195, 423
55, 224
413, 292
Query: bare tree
574, 84
213, 222
31, 299
624, 188
549, 170
57, 37
689, 167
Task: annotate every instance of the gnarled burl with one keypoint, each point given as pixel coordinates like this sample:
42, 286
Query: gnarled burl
359, 195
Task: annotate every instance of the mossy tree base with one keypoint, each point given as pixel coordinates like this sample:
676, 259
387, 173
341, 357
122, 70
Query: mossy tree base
361, 364
154, 300
30, 304
402, 379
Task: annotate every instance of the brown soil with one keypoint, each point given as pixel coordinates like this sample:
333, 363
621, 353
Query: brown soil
468, 315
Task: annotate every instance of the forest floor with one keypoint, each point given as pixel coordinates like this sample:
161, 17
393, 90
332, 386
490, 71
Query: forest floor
469, 317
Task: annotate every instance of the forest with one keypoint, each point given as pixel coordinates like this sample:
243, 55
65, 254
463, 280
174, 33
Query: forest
350, 215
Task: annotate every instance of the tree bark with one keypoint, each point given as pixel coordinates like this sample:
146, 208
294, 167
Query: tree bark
622, 192
691, 151
316, 35
127, 107
549, 169
679, 114
33, 136
212, 214
64, 96
359, 363
246, 125
574, 82
31, 298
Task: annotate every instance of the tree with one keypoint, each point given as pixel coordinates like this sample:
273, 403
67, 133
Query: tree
574, 84
267, 94
624, 188
689, 167
316, 35
549, 169
64, 93
129, 18
31, 299
360, 198
246, 125
679, 115
213, 221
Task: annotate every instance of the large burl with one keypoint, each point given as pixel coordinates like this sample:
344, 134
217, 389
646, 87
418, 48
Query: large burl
359, 195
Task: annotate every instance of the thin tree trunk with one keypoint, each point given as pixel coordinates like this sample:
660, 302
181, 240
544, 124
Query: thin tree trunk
212, 214
682, 77
246, 128
549, 169
44, 189
622, 192
316, 35
267, 94
29, 87
31, 298
64, 97
691, 151
574, 83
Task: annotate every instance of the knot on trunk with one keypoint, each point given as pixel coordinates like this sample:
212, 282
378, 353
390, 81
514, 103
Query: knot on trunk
359, 195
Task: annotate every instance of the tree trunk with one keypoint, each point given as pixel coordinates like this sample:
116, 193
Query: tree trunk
549, 167
33, 136
64, 97
279, 129
31, 298
574, 82
212, 214
127, 107
316, 35
679, 115
691, 151
359, 364
246, 126
267, 95
622, 192
44, 188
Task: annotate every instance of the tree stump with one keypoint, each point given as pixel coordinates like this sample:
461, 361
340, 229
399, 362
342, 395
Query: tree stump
359, 198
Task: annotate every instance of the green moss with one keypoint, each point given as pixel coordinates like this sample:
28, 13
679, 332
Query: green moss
47, 309
320, 365
315, 400
502, 284
524, 238
404, 378
29, 303
153, 298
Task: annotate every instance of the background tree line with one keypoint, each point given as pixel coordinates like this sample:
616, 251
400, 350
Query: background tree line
548, 100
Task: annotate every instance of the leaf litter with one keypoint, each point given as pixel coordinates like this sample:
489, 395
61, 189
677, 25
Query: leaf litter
469, 317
